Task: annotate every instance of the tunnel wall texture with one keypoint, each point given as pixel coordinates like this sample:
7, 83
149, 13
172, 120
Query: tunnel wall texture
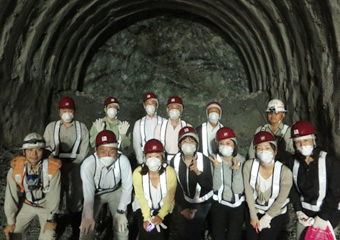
289, 48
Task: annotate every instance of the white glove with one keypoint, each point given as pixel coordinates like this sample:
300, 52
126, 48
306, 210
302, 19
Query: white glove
120, 222
87, 225
320, 223
123, 128
304, 219
99, 124
265, 222
158, 227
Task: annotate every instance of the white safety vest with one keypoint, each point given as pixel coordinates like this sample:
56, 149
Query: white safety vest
238, 198
73, 153
275, 186
205, 139
142, 130
197, 198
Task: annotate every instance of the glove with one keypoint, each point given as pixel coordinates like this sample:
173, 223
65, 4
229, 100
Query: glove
8, 230
99, 124
158, 227
120, 222
87, 225
304, 219
265, 222
123, 128
320, 223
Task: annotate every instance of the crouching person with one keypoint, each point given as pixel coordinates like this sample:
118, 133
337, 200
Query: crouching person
107, 178
33, 189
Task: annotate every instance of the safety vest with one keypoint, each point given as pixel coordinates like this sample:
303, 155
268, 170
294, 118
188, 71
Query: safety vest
164, 127
197, 198
237, 198
142, 130
205, 139
283, 131
116, 176
73, 153
275, 185
49, 168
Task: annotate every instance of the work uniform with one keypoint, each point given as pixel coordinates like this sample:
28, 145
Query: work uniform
207, 134
42, 201
112, 185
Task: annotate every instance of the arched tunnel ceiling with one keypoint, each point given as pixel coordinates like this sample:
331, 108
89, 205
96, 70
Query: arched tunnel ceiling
289, 48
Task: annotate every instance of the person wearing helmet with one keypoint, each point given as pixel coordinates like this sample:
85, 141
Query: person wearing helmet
144, 128
33, 190
68, 140
110, 122
107, 178
276, 112
315, 195
167, 131
207, 131
194, 192
267, 184
155, 186
228, 208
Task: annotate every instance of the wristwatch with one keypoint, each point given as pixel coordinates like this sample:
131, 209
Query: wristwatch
120, 211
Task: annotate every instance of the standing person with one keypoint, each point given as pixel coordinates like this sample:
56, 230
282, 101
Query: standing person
316, 192
228, 208
167, 131
33, 189
194, 191
276, 112
144, 128
107, 178
110, 122
69, 141
155, 186
267, 184
207, 131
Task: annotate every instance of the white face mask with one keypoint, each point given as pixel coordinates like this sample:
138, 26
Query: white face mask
107, 161
150, 109
266, 157
226, 151
306, 150
213, 117
67, 117
188, 149
153, 163
174, 114
111, 113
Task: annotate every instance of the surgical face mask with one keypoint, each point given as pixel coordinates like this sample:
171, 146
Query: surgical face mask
188, 149
213, 117
153, 164
107, 161
111, 113
150, 109
266, 157
67, 117
226, 151
174, 114
306, 150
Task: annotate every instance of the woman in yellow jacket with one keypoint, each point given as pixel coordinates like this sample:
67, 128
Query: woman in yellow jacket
155, 186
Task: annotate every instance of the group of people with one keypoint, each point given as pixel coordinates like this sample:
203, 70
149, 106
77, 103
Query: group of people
188, 179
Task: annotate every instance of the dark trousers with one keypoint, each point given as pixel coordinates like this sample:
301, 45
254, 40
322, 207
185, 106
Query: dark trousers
227, 221
154, 234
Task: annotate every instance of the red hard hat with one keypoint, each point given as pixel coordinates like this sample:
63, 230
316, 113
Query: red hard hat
225, 133
153, 146
67, 102
149, 95
214, 104
106, 137
175, 99
187, 131
302, 128
261, 137
110, 100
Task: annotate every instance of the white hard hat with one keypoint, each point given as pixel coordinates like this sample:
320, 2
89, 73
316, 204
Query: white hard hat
276, 106
33, 140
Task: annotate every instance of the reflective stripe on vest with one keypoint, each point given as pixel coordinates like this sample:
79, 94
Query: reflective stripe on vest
238, 198
142, 130
75, 148
164, 126
197, 198
322, 183
205, 139
275, 184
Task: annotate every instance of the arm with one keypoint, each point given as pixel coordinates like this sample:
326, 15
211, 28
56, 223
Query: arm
237, 184
249, 191
53, 196
217, 177
137, 142
11, 199
48, 136
289, 142
87, 173
84, 145
93, 135
168, 202
205, 178
139, 192
126, 178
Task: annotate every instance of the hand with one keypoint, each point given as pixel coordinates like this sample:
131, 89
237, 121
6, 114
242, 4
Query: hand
145, 225
120, 222
214, 161
194, 168
99, 124
236, 164
265, 222
87, 225
320, 223
51, 226
189, 213
304, 219
8, 230
254, 222
158, 222
123, 128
